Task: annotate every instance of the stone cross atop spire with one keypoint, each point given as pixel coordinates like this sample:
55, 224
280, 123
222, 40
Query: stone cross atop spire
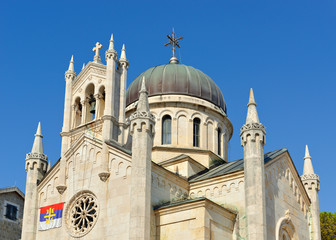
252, 114
143, 105
38, 146
308, 166
96, 50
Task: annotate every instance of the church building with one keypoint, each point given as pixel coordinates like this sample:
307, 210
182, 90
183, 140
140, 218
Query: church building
150, 162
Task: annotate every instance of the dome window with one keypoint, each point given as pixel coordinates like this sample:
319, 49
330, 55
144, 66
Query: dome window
166, 129
219, 141
196, 132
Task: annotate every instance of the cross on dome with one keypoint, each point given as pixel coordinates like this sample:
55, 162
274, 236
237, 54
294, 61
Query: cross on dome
173, 41
96, 50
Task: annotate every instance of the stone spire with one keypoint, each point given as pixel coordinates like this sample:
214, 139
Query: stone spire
143, 105
253, 137
111, 46
142, 124
83, 66
36, 168
252, 114
71, 66
311, 183
123, 53
308, 166
38, 146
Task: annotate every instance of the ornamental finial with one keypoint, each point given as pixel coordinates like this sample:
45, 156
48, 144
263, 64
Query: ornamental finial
174, 42
96, 50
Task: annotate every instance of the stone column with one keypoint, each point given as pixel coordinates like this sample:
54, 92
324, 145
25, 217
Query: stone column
69, 77
311, 182
253, 140
142, 130
97, 97
84, 103
35, 173
123, 65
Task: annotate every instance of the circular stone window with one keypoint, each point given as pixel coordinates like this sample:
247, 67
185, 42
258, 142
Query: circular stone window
82, 214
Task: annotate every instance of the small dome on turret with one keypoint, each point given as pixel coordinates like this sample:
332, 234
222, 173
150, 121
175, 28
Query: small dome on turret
177, 79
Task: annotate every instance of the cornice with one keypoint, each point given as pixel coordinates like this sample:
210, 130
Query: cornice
216, 180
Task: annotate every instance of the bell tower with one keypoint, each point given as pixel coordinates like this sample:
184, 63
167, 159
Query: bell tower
95, 105
36, 168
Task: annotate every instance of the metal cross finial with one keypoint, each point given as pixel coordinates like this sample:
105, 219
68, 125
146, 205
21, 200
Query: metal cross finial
174, 42
96, 50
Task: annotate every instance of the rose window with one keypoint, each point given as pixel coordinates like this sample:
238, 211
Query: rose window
82, 214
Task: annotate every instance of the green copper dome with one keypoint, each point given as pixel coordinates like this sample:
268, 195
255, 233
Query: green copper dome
177, 79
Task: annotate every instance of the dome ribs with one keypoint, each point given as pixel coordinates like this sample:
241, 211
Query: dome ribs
177, 79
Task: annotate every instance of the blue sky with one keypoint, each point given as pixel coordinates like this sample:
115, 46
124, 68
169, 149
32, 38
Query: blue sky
285, 50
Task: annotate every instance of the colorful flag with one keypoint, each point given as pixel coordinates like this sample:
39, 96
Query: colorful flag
51, 216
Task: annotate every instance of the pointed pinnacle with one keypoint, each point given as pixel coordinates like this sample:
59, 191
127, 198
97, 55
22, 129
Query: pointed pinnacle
143, 105
251, 99
38, 146
307, 152
123, 53
38, 131
111, 46
308, 166
83, 66
71, 65
252, 114
143, 85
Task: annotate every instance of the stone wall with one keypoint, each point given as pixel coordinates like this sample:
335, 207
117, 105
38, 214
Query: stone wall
112, 196
285, 198
11, 230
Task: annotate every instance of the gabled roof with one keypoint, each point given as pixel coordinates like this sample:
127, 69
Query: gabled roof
231, 167
12, 189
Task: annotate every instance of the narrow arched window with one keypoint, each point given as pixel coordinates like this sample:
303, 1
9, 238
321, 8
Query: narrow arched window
196, 132
219, 140
166, 129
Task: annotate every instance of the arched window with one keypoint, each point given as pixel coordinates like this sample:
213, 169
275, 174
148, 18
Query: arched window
166, 129
196, 132
219, 141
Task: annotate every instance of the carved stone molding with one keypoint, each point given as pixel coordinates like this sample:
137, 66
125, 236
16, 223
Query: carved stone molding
310, 177
123, 64
146, 115
252, 126
111, 54
36, 155
61, 189
104, 176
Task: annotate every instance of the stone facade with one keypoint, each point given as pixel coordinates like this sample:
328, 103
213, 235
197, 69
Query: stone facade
11, 226
158, 168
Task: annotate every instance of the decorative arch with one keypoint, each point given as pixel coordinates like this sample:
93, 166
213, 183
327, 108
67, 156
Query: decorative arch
285, 229
165, 112
196, 115
181, 113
